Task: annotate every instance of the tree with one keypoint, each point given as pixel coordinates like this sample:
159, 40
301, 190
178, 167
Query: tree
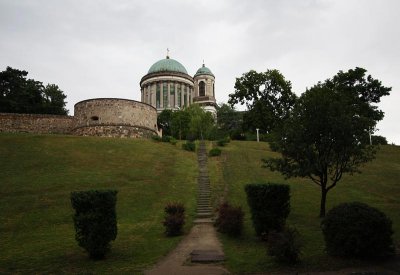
268, 97
54, 100
201, 122
21, 95
229, 120
164, 120
180, 124
324, 136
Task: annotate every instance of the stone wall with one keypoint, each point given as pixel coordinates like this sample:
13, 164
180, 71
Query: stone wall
33, 123
114, 117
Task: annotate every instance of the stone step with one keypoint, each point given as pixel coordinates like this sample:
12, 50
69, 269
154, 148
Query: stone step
204, 215
206, 256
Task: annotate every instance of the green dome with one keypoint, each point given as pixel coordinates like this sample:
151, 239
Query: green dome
167, 65
204, 70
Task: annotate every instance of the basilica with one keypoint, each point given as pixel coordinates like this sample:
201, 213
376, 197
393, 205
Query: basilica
167, 85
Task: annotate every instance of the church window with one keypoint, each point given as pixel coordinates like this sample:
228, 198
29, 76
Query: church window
165, 95
184, 100
158, 95
213, 90
172, 92
179, 95
202, 88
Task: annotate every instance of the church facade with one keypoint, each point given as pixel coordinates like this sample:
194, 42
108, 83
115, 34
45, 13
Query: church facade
167, 85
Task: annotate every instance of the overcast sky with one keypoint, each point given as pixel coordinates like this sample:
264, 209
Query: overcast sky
102, 48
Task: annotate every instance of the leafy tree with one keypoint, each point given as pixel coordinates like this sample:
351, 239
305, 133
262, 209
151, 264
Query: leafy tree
268, 97
379, 140
54, 100
201, 122
228, 119
21, 95
164, 120
180, 124
323, 138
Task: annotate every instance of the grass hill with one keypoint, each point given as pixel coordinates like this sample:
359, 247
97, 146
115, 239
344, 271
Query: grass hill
240, 164
38, 172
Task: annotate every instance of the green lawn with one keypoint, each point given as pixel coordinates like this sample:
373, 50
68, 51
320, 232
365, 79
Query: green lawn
240, 164
38, 172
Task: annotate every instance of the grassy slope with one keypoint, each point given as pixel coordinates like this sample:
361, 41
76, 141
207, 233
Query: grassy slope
241, 163
39, 172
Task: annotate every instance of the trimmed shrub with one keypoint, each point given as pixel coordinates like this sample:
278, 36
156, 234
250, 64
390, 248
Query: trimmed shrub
357, 230
95, 220
285, 246
156, 138
166, 138
214, 152
173, 141
229, 220
223, 142
174, 219
189, 146
269, 206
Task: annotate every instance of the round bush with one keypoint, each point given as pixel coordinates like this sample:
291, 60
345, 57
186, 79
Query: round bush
230, 219
214, 152
357, 230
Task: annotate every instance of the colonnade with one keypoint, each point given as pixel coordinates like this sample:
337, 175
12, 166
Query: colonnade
167, 94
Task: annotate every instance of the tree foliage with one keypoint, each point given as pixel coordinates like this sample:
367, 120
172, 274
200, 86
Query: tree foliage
21, 95
324, 136
268, 97
229, 121
190, 123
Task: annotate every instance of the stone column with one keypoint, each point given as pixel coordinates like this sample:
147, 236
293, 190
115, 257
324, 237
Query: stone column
191, 97
161, 94
141, 94
154, 92
148, 94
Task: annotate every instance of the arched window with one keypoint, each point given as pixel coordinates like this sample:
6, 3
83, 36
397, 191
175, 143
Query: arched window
213, 90
202, 88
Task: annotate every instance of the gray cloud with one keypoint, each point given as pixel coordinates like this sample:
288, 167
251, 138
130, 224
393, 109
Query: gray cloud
103, 48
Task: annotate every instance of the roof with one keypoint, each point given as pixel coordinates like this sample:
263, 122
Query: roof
167, 65
204, 70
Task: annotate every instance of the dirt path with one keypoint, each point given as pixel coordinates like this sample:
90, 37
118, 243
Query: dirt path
201, 244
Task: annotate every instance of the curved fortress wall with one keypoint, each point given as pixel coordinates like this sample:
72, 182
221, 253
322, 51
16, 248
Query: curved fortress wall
114, 117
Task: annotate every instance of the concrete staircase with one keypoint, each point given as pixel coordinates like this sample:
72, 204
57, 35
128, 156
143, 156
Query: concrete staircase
204, 210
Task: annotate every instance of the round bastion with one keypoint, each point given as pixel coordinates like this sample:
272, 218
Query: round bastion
115, 117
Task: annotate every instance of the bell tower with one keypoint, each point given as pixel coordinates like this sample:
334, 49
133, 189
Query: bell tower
204, 89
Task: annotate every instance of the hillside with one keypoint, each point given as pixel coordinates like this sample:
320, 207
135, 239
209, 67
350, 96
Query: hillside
39, 172
240, 164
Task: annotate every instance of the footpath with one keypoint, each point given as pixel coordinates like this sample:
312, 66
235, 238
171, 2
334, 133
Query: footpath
200, 252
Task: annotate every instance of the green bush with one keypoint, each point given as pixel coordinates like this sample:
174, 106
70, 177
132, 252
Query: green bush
285, 246
189, 146
214, 152
166, 138
174, 219
269, 206
95, 220
173, 141
223, 142
229, 220
156, 138
357, 230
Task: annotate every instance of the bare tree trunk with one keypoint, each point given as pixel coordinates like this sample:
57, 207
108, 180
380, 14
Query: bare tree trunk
323, 201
